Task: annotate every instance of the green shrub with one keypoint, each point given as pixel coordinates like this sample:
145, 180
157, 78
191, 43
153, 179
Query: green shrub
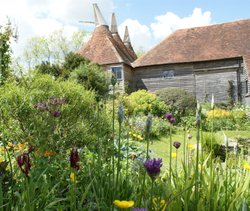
220, 119
144, 102
92, 77
138, 123
51, 114
181, 102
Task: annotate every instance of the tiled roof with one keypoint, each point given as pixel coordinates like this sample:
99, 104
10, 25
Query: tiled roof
220, 41
103, 49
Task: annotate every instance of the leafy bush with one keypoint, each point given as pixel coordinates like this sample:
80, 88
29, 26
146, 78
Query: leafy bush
138, 123
51, 114
144, 102
181, 102
92, 77
51, 69
222, 119
73, 61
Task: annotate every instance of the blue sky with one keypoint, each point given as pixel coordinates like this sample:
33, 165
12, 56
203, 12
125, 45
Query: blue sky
222, 10
149, 21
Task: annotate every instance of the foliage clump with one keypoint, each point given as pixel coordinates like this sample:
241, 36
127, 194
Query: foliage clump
77, 68
220, 119
51, 113
92, 77
144, 102
180, 101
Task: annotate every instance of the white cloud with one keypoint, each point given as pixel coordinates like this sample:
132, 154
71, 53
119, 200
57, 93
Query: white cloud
140, 35
42, 17
168, 23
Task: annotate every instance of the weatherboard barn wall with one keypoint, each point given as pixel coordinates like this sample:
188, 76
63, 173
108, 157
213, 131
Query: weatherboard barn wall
202, 79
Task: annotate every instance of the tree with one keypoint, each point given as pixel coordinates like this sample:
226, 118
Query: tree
71, 62
92, 77
53, 48
7, 33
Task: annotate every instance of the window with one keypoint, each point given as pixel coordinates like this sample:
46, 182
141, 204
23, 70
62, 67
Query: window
168, 74
117, 71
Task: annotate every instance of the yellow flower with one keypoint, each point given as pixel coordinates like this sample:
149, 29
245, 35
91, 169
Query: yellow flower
139, 137
1, 159
191, 146
2, 149
21, 147
123, 204
246, 166
72, 177
134, 135
10, 145
174, 155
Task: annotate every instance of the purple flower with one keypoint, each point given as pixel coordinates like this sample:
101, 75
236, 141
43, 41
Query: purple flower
172, 120
176, 144
153, 167
56, 114
139, 209
168, 116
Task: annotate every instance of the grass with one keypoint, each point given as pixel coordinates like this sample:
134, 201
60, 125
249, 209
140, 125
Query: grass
237, 133
159, 148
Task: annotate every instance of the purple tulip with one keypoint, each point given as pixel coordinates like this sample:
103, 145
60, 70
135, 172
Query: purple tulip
74, 159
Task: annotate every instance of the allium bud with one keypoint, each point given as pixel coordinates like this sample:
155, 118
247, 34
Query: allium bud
199, 108
148, 123
120, 113
212, 102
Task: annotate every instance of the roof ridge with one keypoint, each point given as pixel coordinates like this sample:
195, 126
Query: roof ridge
213, 25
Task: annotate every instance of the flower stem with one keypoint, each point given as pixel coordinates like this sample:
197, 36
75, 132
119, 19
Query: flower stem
197, 164
119, 159
170, 157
